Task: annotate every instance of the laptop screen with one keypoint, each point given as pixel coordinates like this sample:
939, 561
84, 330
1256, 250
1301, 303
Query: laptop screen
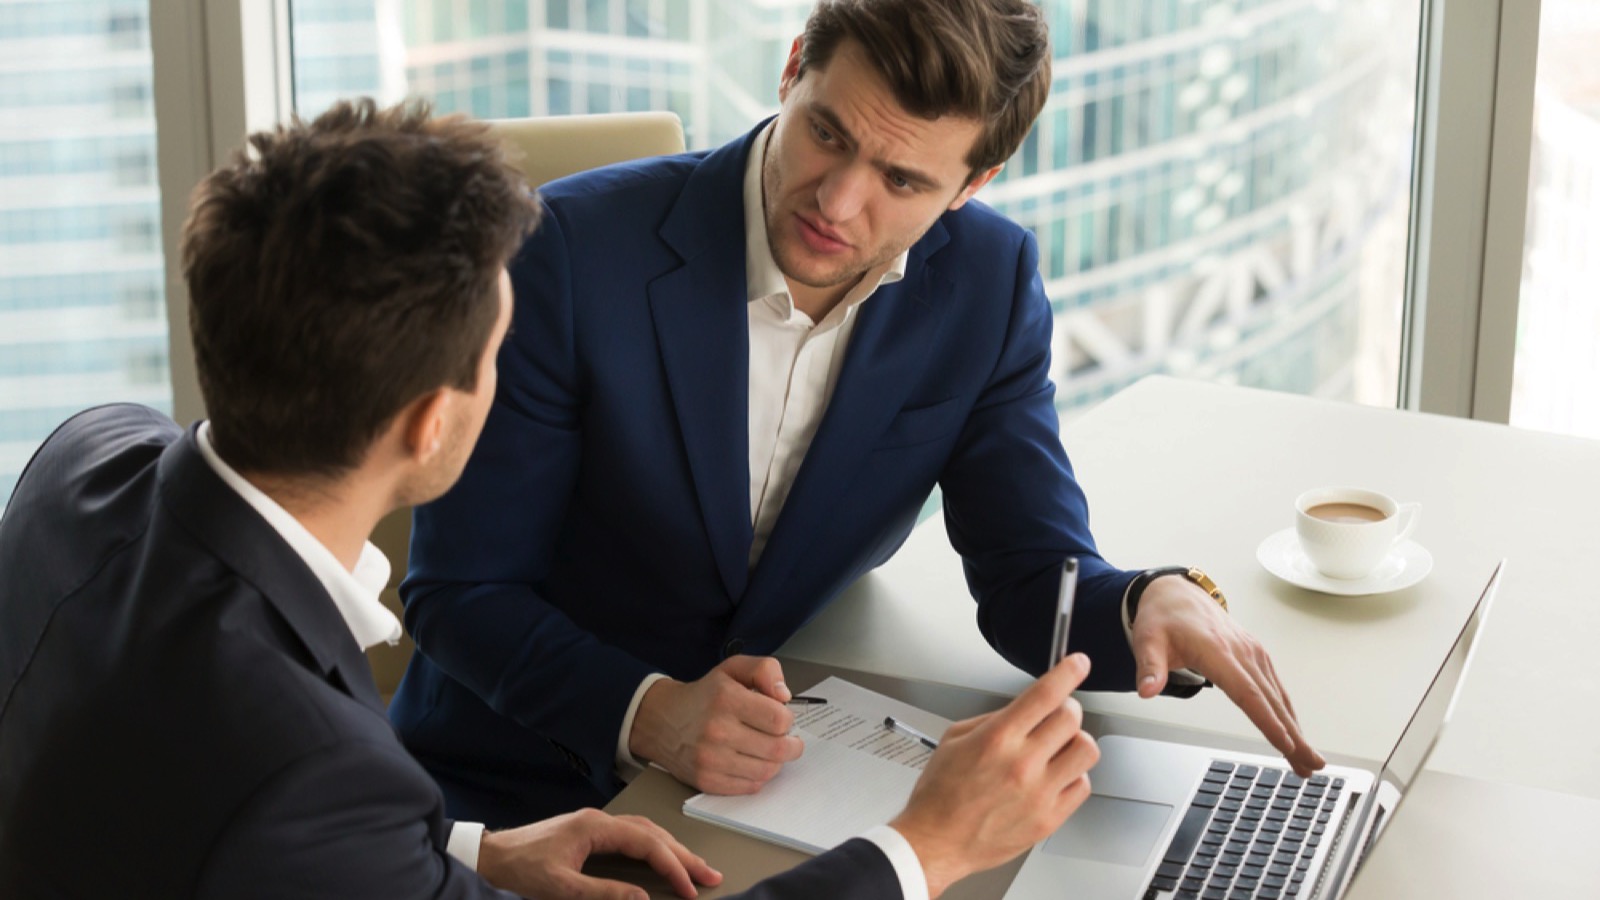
1417, 740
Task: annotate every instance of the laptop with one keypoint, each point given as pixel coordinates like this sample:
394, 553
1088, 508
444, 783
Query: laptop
1170, 820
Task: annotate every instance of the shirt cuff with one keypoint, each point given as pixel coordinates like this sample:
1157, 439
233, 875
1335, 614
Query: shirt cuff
907, 868
465, 839
1188, 677
628, 766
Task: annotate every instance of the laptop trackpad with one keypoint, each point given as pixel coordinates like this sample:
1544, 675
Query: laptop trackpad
1110, 829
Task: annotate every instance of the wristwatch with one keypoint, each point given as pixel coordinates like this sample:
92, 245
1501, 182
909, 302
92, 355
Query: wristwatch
1143, 579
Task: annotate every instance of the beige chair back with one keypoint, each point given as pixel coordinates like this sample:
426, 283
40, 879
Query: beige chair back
549, 148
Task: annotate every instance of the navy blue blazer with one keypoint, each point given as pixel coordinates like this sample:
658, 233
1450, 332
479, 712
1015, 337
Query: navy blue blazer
183, 712
601, 531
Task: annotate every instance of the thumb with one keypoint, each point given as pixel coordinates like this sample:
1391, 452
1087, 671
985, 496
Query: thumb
762, 673
1152, 656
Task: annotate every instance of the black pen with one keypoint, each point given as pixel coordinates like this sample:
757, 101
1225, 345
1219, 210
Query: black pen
893, 724
807, 701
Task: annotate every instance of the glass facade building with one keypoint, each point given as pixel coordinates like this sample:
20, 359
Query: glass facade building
1219, 187
82, 303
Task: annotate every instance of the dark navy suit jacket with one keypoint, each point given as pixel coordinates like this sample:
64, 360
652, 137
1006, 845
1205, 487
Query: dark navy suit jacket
183, 712
602, 529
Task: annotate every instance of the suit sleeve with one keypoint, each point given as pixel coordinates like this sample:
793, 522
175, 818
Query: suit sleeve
854, 870
1014, 509
350, 820
477, 554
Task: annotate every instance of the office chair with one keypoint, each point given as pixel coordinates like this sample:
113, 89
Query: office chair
548, 148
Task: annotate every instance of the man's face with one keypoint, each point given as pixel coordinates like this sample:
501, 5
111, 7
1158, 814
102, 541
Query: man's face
466, 413
851, 179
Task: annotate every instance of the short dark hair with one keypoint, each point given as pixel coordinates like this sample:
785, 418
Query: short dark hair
339, 270
986, 60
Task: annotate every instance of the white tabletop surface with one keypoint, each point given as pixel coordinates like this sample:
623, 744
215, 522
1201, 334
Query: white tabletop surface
1194, 473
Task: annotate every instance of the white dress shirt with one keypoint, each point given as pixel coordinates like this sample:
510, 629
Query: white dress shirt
794, 366
355, 594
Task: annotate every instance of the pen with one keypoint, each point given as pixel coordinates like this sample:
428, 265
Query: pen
893, 724
807, 701
1065, 598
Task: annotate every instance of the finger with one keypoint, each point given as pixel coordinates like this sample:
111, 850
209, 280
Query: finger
1304, 754
1244, 690
696, 866
760, 712
761, 673
1151, 650
1046, 695
1058, 728
633, 839
1072, 796
727, 762
1074, 760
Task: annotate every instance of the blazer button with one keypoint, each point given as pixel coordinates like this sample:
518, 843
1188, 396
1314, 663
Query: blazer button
733, 647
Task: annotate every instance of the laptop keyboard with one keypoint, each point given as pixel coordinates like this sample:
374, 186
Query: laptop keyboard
1250, 832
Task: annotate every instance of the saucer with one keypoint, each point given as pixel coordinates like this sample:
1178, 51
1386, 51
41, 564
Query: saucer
1408, 563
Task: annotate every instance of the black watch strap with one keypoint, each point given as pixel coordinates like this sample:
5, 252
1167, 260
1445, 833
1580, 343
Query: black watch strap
1136, 590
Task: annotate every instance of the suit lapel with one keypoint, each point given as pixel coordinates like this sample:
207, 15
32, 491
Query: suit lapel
889, 350
703, 332
243, 541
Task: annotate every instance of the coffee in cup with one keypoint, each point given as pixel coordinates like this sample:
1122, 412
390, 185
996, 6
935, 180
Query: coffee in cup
1347, 532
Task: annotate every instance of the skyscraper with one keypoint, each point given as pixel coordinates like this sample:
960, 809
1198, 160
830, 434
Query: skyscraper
1219, 187
82, 305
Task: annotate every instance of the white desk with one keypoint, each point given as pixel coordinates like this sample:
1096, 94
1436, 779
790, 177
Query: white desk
1186, 472
1181, 472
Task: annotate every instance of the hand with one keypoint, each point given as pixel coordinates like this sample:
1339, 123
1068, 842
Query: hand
727, 733
1180, 627
546, 859
1001, 783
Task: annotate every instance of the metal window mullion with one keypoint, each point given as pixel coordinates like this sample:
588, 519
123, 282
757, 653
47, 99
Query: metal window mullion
1473, 139
221, 69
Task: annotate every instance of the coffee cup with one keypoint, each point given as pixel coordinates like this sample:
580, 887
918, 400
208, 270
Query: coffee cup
1347, 532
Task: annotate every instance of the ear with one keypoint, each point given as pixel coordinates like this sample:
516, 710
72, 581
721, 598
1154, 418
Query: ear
973, 186
423, 425
791, 71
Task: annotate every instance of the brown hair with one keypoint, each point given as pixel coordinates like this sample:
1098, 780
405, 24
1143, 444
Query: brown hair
987, 60
339, 270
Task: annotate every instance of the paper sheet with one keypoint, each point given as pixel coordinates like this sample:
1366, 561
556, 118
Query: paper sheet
854, 773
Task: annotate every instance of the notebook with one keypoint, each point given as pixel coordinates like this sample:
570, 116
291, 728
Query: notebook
854, 774
1170, 820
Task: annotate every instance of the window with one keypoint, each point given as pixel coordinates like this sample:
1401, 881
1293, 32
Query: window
81, 277
1557, 363
1220, 188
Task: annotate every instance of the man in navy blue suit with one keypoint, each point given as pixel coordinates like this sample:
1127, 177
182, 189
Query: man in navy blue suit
185, 710
737, 375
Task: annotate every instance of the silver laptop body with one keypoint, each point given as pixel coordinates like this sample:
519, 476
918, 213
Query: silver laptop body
1159, 809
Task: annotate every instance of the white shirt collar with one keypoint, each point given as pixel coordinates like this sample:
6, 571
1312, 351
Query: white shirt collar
763, 279
355, 594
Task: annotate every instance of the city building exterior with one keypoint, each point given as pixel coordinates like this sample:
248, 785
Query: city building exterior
1219, 187
82, 304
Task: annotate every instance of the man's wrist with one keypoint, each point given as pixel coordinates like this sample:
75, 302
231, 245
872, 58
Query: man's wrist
1181, 683
903, 859
628, 763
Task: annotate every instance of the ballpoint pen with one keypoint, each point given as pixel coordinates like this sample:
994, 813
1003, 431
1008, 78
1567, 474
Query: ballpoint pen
893, 724
1065, 598
801, 700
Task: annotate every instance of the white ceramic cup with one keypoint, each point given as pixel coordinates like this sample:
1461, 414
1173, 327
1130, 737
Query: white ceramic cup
1354, 530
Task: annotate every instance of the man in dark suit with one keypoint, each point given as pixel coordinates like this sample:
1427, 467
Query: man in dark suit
737, 378
185, 709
